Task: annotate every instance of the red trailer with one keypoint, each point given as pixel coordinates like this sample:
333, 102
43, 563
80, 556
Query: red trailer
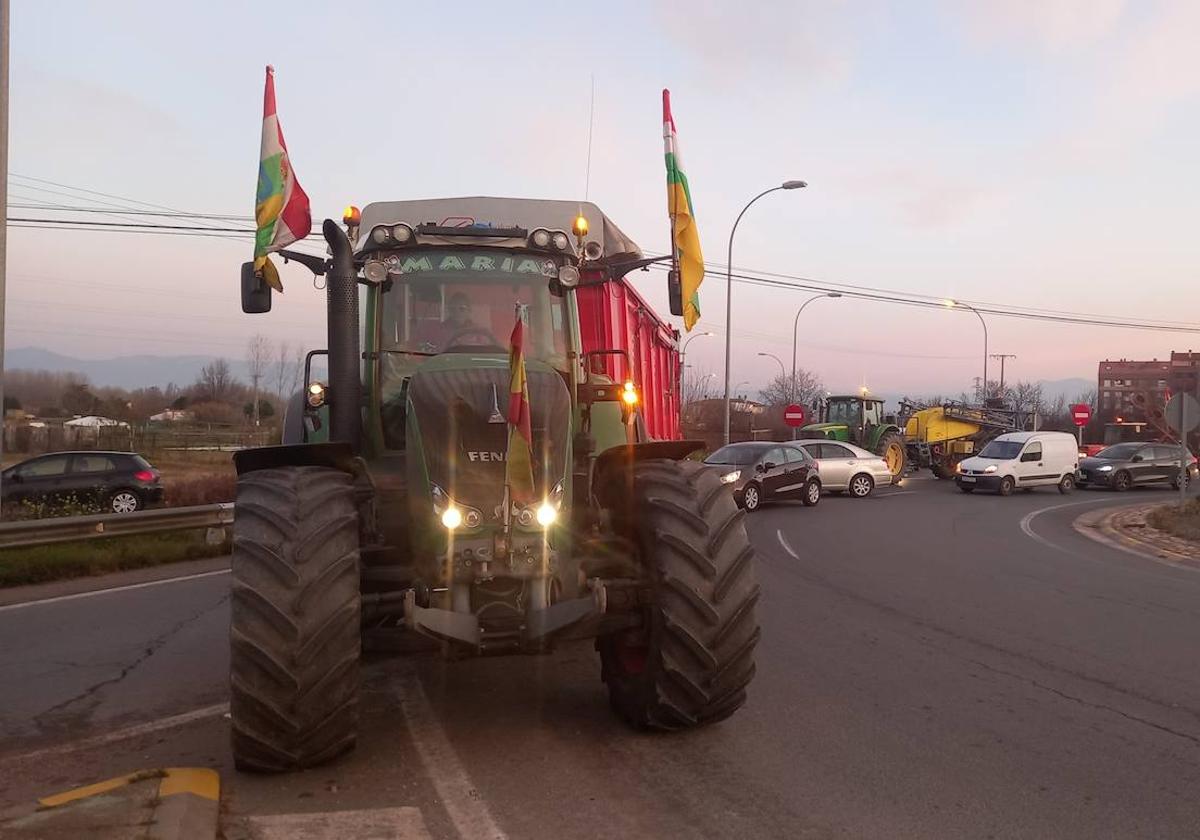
613, 315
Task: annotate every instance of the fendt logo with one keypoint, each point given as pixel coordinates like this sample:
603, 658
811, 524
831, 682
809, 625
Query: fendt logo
485, 456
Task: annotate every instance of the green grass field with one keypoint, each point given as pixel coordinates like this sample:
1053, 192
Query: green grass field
20, 566
1181, 522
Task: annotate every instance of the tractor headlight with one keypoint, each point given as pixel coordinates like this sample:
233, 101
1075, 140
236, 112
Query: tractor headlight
546, 514
316, 395
630, 394
453, 515
540, 237
560, 240
403, 234
731, 477
381, 236
990, 468
568, 276
375, 271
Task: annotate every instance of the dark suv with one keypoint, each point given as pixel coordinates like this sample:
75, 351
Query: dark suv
1123, 465
119, 482
762, 472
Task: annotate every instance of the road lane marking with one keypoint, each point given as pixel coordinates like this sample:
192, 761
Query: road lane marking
459, 796
110, 590
404, 823
124, 734
1027, 522
783, 542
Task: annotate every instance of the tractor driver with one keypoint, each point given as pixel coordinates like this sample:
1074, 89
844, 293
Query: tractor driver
456, 328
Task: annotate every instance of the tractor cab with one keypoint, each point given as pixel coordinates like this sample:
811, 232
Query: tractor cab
859, 420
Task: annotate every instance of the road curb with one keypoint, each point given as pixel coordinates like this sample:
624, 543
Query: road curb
1115, 526
171, 803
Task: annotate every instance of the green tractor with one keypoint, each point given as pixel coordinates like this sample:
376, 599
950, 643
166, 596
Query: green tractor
387, 514
859, 420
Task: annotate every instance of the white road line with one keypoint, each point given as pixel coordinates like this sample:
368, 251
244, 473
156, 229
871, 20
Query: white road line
1027, 522
404, 823
124, 734
783, 542
460, 798
110, 590
890, 494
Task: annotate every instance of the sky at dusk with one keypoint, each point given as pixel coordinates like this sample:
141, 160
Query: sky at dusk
1036, 154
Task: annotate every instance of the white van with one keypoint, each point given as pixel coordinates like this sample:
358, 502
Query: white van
1021, 460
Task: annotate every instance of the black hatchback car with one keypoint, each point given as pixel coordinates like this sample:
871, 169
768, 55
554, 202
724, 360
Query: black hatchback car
119, 482
1123, 465
762, 472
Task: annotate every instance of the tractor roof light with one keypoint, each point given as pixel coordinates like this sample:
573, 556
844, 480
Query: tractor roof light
403, 234
560, 241
351, 216
540, 238
381, 235
568, 276
375, 271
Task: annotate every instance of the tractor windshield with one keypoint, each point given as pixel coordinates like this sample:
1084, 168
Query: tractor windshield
844, 412
457, 300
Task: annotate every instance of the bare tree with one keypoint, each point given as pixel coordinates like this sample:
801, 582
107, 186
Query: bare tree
216, 382
283, 369
783, 390
698, 385
258, 357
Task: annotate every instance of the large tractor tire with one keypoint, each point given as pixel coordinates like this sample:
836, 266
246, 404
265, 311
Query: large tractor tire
891, 449
692, 661
294, 625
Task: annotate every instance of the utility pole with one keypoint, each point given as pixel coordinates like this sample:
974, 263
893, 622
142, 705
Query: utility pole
4, 39
1002, 357
978, 390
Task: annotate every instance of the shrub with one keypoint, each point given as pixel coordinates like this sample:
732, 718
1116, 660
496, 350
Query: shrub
200, 489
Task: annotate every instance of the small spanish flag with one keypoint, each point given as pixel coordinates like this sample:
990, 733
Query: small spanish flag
518, 462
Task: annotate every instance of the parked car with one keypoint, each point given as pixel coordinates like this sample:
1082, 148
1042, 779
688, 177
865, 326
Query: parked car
1123, 465
1021, 460
119, 482
762, 472
846, 467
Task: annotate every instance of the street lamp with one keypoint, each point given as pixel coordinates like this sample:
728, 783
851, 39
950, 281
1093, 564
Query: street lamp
795, 324
782, 369
786, 185
740, 384
951, 303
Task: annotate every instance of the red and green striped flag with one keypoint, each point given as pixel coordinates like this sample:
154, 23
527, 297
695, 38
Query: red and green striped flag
683, 222
518, 462
281, 210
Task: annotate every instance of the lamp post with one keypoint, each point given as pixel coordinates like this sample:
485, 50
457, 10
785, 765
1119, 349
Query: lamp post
683, 351
786, 185
795, 325
782, 369
983, 391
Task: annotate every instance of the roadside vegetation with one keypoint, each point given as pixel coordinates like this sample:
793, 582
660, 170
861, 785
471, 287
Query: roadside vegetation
42, 564
1178, 521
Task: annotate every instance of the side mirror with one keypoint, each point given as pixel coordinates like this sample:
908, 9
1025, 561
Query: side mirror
770, 465
675, 293
1136, 458
256, 294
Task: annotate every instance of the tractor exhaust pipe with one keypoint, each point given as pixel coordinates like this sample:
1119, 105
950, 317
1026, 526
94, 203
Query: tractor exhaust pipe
345, 381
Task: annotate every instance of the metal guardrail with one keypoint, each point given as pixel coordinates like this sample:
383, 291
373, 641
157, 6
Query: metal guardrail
35, 532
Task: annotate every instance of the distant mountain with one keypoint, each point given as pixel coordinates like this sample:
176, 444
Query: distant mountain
121, 372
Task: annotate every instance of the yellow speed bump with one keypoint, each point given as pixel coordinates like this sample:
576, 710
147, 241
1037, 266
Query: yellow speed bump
98, 788
199, 781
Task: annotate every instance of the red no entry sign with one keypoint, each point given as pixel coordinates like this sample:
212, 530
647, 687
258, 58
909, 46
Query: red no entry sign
793, 415
1081, 413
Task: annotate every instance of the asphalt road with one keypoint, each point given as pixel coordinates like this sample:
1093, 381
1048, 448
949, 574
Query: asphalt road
932, 665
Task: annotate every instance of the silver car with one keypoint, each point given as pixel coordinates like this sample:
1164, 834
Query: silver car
847, 467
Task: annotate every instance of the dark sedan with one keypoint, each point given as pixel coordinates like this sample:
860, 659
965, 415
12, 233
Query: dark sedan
762, 472
118, 482
1124, 465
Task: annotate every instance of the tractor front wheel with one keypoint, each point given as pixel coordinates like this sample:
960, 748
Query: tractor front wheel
691, 661
294, 622
891, 449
